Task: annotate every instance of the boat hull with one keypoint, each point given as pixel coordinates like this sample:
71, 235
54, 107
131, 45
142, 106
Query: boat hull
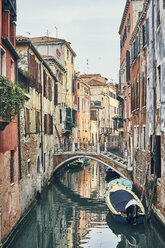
123, 219
118, 198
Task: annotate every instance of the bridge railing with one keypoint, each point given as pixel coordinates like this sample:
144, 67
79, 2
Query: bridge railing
82, 147
95, 149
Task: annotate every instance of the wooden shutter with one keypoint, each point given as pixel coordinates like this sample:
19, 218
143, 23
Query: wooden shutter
55, 93
37, 122
49, 89
32, 65
39, 73
44, 85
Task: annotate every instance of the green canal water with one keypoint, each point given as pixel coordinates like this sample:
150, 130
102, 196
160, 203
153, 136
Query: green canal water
72, 213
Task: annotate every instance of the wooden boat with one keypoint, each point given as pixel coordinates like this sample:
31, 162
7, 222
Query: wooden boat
76, 164
127, 183
124, 204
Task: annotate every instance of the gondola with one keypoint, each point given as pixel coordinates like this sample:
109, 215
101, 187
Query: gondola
76, 164
124, 204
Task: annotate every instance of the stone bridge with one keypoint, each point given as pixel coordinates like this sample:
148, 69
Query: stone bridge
117, 163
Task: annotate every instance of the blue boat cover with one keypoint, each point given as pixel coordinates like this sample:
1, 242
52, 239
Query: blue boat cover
119, 199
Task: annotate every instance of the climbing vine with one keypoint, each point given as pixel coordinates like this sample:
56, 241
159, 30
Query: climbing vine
11, 97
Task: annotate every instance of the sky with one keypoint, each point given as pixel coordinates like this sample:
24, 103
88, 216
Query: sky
90, 25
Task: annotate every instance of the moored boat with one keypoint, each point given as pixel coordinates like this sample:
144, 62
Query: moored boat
124, 204
126, 182
76, 164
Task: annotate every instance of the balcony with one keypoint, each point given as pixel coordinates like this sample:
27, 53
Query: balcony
68, 125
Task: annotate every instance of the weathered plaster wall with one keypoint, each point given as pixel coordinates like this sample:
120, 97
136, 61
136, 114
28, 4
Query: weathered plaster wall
10, 193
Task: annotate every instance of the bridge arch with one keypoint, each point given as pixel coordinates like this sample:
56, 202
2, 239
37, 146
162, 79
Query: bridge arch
76, 156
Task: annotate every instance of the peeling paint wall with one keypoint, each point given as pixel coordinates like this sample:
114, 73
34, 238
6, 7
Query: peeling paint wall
156, 106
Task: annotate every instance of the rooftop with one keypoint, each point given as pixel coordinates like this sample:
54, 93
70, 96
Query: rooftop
46, 39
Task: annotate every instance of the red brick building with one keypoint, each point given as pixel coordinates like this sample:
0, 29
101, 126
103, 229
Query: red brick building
138, 44
128, 22
9, 166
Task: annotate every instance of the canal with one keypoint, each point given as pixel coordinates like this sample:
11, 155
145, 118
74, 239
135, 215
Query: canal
72, 213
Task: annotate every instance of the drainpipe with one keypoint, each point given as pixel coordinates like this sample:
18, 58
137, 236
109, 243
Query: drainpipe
19, 133
153, 77
42, 156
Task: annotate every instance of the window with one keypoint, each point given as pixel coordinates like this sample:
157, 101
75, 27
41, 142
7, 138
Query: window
45, 124
38, 164
78, 85
37, 122
78, 124
78, 103
144, 40
159, 84
11, 166
27, 122
12, 70
28, 166
129, 99
72, 84
44, 161
127, 66
144, 137
158, 13
3, 62
82, 88
137, 144
158, 156
135, 137
93, 114
128, 23
67, 54
72, 59
83, 105
60, 116
50, 124
45, 85
125, 108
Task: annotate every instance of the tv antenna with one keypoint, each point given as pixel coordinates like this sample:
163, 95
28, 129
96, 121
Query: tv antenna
56, 32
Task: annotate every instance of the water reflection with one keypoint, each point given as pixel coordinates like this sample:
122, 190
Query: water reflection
73, 213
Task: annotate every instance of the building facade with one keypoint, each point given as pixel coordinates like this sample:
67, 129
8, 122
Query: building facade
128, 22
63, 53
155, 117
82, 92
138, 42
37, 129
9, 165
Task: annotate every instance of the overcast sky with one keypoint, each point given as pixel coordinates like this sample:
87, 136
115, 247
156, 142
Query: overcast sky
90, 25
